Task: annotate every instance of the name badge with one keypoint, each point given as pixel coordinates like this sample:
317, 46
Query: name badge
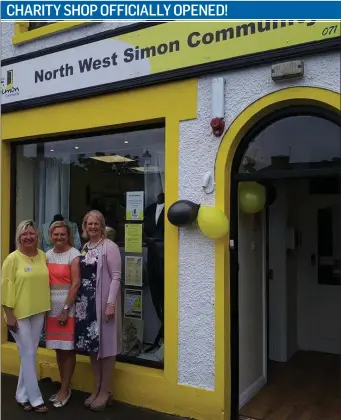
28, 269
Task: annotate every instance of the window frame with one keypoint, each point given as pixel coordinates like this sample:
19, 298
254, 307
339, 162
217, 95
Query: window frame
132, 360
22, 34
173, 102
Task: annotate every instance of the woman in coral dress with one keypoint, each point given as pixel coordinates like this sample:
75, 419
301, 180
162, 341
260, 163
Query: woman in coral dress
63, 265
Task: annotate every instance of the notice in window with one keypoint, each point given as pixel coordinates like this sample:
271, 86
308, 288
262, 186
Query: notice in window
134, 205
133, 238
133, 271
132, 336
133, 303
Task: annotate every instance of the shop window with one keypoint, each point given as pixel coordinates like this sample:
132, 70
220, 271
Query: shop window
298, 143
122, 175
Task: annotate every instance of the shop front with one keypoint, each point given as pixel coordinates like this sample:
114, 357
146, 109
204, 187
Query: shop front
130, 122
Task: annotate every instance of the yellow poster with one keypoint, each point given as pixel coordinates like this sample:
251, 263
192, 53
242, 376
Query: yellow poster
133, 271
133, 303
133, 238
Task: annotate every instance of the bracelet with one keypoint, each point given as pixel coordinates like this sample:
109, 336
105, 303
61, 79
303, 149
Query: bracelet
111, 304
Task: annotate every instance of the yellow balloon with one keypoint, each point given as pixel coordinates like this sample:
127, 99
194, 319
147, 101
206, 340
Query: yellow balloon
252, 197
212, 222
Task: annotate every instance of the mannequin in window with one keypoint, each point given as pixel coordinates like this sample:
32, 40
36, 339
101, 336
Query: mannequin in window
45, 243
154, 218
154, 225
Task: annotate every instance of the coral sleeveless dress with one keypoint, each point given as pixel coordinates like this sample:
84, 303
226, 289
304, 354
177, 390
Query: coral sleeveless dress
60, 337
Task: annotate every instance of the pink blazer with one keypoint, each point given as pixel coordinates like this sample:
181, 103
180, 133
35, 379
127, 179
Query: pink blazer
108, 289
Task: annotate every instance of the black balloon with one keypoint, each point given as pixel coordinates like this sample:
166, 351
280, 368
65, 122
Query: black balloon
183, 212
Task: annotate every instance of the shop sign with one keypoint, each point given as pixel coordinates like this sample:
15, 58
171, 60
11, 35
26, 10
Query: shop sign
156, 51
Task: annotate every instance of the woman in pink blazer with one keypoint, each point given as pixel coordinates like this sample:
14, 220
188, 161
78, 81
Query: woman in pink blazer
98, 307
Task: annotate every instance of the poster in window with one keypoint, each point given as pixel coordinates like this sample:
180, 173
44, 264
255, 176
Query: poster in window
133, 271
133, 303
134, 205
133, 238
132, 336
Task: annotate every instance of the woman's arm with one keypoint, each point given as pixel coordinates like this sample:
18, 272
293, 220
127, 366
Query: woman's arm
11, 319
73, 291
114, 266
8, 291
75, 282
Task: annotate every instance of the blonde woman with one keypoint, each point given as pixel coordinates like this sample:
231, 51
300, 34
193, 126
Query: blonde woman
63, 266
26, 298
98, 307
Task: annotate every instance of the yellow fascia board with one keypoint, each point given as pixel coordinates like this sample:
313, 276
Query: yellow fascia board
23, 35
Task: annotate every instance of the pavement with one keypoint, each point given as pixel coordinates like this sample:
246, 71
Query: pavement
74, 409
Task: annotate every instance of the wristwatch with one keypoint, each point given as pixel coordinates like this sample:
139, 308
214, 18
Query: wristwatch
66, 308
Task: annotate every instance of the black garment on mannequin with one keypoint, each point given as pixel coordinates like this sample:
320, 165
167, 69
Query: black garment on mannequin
151, 229
154, 237
155, 267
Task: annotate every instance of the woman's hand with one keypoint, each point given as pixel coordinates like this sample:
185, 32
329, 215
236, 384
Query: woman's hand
12, 322
63, 317
109, 313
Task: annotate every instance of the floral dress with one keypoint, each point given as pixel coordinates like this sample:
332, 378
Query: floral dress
86, 329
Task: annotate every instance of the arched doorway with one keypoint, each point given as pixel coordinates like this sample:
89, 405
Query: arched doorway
288, 280
241, 158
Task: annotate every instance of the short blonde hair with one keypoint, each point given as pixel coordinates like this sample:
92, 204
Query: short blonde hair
24, 225
62, 224
97, 215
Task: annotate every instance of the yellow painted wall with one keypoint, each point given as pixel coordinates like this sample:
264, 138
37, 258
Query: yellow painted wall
158, 390
142, 386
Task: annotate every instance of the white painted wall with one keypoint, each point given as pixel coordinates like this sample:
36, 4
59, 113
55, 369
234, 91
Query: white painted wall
303, 314
319, 316
198, 151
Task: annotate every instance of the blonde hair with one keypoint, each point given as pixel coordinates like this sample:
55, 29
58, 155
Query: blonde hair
97, 215
24, 225
111, 233
62, 224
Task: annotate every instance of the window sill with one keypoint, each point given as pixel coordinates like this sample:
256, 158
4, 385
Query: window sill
46, 357
122, 359
22, 35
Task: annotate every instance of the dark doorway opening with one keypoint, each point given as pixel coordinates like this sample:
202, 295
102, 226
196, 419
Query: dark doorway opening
297, 156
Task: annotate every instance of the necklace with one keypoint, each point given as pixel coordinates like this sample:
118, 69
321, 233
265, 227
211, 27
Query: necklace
30, 257
96, 244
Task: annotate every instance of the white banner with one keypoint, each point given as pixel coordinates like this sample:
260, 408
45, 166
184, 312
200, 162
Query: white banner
89, 65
